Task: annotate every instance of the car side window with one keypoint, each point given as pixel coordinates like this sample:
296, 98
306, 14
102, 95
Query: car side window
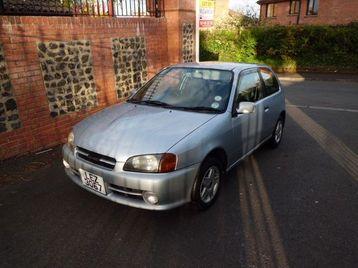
249, 88
270, 81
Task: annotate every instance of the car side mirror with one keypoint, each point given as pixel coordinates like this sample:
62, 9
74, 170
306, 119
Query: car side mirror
245, 108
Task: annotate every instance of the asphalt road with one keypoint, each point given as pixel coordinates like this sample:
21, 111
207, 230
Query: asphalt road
293, 206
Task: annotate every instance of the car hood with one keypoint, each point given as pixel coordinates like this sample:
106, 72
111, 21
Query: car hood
125, 130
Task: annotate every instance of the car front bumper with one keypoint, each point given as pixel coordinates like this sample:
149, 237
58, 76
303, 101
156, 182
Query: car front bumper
172, 189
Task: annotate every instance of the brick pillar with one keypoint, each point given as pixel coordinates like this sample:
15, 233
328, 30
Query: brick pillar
178, 13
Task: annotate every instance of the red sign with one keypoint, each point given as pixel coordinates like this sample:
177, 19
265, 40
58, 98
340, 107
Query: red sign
206, 23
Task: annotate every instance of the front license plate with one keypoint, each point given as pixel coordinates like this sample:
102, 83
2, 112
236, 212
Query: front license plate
92, 181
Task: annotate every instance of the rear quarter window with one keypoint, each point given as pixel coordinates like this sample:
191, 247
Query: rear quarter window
270, 81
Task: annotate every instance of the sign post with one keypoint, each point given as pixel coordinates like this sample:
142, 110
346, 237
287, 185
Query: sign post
205, 11
197, 33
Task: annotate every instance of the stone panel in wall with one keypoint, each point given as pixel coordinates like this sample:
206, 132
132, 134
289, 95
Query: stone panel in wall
130, 64
67, 70
9, 116
188, 42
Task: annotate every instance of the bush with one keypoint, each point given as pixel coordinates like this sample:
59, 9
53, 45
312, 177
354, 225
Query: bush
204, 53
286, 47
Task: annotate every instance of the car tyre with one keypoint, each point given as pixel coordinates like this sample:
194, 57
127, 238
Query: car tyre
277, 133
207, 183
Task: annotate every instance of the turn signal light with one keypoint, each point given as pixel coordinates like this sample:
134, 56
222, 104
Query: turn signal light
168, 163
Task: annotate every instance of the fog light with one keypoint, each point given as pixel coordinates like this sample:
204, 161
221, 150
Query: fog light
150, 198
65, 164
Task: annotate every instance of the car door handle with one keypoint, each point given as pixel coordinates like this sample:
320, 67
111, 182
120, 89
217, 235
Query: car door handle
267, 109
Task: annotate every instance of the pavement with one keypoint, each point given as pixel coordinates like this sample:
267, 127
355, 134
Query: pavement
316, 76
295, 206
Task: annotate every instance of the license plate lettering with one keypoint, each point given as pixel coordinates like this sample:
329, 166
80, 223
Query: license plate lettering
93, 181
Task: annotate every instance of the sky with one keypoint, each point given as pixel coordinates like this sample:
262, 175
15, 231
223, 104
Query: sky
242, 4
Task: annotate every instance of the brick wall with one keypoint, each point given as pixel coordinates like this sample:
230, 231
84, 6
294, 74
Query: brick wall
178, 12
22, 39
330, 12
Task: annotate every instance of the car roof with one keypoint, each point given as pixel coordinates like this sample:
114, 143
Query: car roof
229, 66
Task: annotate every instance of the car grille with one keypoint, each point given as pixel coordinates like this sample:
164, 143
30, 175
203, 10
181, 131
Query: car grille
95, 158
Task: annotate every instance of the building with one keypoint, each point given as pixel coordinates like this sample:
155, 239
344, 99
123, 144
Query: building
61, 61
289, 12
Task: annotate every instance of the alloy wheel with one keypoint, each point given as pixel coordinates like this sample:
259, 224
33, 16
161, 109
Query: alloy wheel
278, 131
210, 184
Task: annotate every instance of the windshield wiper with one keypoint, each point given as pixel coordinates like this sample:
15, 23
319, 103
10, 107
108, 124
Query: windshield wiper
156, 103
163, 104
133, 101
150, 102
200, 108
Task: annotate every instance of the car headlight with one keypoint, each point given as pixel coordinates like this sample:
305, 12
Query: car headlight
71, 140
153, 163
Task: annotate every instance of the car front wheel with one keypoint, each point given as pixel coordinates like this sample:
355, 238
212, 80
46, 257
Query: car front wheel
207, 183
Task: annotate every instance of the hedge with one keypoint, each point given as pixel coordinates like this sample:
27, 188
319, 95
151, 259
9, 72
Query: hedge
285, 47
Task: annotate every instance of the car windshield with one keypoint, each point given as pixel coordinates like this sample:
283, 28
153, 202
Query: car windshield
195, 89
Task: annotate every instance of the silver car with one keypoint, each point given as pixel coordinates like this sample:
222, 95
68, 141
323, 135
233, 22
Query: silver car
171, 142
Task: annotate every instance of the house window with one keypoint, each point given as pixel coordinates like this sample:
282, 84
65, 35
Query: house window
312, 7
294, 7
271, 10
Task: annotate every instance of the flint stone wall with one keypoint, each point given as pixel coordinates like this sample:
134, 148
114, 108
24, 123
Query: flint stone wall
9, 116
67, 70
188, 35
130, 64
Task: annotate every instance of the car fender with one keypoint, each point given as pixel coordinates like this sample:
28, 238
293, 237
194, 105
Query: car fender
217, 133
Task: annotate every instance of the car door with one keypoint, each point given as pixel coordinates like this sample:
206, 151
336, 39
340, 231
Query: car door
247, 128
269, 102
